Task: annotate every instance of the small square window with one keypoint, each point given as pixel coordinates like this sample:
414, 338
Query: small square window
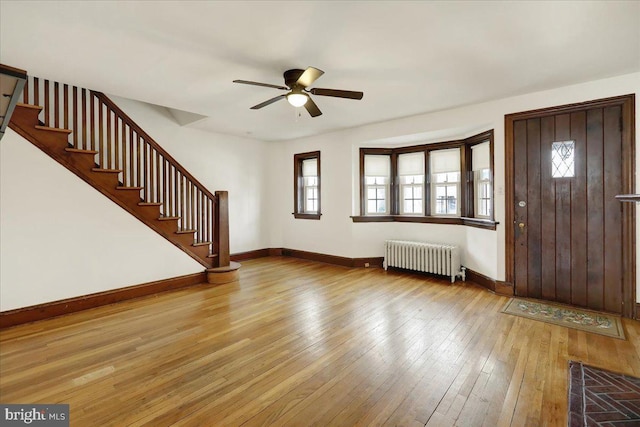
562, 159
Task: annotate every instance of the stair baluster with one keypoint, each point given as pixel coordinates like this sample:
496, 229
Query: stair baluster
140, 163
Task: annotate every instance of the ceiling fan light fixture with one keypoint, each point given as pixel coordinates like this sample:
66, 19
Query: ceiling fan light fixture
297, 99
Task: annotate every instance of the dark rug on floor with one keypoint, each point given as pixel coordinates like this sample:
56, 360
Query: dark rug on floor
602, 398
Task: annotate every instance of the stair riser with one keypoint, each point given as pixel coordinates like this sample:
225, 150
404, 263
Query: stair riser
130, 197
184, 239
170, 226
106, 180
201, 251
150, 213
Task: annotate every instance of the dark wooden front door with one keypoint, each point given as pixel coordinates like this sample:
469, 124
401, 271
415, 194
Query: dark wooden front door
568, 234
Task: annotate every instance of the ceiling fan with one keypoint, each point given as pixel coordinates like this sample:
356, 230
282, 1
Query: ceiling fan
296, 82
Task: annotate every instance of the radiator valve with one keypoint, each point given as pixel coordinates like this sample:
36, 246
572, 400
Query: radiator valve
463, 273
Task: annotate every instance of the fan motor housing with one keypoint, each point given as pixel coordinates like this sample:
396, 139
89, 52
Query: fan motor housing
292, 76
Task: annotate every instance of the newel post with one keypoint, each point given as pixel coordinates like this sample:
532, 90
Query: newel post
222, 228
226, 270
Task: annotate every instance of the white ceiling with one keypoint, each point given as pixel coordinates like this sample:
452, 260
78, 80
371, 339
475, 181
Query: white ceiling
407, 57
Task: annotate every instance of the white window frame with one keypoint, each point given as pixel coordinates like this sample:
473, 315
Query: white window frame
377, 176
411, 168
446, 184
310, 191
417, 182
483, 187
379, 183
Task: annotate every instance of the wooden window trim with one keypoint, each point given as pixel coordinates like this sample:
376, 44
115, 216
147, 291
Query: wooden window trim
470, 222
363, 184
298, 196
467, 190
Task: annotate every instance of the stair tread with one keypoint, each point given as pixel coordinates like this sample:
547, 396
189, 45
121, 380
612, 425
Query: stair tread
149, 204
186, 231
67, 131
212, 256
168, 218
80, 151
106, 170
34, 107
121, 187
201, 243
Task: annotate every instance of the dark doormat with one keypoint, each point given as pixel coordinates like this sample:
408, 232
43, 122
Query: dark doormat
602, 398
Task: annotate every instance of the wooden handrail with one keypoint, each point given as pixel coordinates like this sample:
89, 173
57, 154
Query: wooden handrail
125, 148
151, 141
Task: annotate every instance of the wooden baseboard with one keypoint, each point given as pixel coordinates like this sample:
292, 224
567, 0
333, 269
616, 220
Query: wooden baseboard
243, 256
333, 259
314, 256
504, 288
481, 279
71, 305
311, 256
497, 286
368, 262
637, 317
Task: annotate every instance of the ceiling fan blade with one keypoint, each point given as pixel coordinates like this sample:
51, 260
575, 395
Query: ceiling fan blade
312, 108
337, 93
309, 76
247, 82
268, 102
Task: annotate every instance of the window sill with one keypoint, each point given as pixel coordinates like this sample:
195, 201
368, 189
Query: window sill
470, 222
306, 215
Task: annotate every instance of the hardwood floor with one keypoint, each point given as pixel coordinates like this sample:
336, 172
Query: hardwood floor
298, 343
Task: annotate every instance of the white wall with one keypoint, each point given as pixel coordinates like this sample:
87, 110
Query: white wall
60, 238
336, 234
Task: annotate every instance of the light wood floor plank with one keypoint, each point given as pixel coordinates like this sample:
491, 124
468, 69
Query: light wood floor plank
298, 343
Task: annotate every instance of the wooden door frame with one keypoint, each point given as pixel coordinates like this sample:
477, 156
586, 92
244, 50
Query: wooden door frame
627, 102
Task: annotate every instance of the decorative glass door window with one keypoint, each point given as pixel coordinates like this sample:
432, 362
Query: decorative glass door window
562, 159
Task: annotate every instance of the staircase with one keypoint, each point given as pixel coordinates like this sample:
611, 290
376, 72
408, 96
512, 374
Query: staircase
88, 134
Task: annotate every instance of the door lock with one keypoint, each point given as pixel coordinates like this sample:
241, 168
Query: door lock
521, 225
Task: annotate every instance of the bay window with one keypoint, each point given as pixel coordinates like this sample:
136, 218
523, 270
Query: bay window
449, 182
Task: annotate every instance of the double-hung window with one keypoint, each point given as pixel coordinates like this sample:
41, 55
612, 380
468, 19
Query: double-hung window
482, 177
449, 182
307, 185
445, 182
377, 179
411, 176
